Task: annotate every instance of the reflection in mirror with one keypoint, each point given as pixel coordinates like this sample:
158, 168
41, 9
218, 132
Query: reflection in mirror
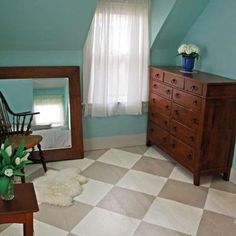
25, 76
50, 97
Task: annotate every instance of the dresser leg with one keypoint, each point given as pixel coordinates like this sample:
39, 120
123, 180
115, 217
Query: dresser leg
226, 175
148, 143
196, 179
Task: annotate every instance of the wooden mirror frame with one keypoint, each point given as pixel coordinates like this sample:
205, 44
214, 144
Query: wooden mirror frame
73, 74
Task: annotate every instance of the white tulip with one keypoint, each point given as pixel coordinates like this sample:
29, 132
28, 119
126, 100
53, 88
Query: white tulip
25, 157
8, 172
17, 161
9, 150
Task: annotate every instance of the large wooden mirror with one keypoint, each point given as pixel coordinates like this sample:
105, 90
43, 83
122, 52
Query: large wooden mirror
48, 75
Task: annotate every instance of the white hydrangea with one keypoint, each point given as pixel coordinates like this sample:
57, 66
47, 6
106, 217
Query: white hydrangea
188, 49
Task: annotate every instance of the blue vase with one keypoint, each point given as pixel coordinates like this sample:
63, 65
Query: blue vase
188, 63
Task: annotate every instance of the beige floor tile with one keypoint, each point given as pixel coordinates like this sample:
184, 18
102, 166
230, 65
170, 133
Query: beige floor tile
82, 164
154, 166
38, 173
146, 229
185, 193
221, 202
135, 149
101, 222
103, 172
220, 184
174, 215
119, 158
142, 182
127, 202
95, 154
64, 218
214, 224
157, 153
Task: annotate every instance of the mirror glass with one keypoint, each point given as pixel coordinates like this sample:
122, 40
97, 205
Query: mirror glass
50, 97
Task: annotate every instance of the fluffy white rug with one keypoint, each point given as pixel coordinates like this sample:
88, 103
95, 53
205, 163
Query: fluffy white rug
59, 187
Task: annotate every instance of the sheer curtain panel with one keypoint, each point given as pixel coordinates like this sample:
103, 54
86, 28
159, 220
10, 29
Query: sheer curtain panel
116, 58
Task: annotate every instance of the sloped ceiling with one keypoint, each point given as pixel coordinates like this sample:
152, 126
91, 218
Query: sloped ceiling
45, 24
182, 14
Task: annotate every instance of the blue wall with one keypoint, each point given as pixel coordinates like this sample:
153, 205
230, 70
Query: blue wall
18, 93
215, 33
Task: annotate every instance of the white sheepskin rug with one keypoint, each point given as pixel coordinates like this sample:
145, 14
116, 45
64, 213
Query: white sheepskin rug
59, 187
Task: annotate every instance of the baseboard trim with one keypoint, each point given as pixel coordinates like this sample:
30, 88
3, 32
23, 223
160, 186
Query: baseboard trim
233, 175
114, 141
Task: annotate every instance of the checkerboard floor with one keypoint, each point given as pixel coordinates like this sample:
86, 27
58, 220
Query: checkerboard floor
136, 191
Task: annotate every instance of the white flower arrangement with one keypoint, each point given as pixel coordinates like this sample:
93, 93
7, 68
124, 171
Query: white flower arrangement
189, 50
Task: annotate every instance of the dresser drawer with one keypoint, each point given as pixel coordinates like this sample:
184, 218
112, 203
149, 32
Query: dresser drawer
193, 86
160, 104
156, 74
162, 89
185, 116
183, 153
160, 120
158, 135
173, 80
182, 132
190, 101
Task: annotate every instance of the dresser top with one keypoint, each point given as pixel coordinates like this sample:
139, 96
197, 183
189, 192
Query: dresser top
202, 77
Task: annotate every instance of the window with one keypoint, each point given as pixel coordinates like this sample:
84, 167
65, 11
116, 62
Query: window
116, 57
51, 110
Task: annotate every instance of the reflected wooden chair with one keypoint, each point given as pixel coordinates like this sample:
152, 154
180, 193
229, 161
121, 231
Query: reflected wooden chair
17, 126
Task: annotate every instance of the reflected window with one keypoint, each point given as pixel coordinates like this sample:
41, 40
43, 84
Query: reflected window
51, 110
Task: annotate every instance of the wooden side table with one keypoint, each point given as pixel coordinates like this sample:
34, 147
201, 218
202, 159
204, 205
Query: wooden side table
21, 208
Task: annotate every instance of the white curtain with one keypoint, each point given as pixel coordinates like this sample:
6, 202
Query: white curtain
51, 110
116, 58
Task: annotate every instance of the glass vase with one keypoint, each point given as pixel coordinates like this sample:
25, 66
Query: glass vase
9, 195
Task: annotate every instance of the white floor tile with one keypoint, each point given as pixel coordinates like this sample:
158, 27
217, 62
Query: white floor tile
181, 174
152, 152
93, 192
100, 222
142, 182
174, 215
221, 202
120, 158
13, 230
42, 229
82, 164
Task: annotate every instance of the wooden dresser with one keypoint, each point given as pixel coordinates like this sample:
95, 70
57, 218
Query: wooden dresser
192, 117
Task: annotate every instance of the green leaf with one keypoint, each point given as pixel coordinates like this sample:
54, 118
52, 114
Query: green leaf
20, 149
6, 159
4, 182
18, 173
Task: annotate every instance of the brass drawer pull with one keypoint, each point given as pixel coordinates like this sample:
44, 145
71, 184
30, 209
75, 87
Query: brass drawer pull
195, 102
175, 128
192, 138
177, 95
190, 157
194, 120
167, 107
174, 81
154, 100
155, 86
176, 112
194, 88
168, 91
157, 75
